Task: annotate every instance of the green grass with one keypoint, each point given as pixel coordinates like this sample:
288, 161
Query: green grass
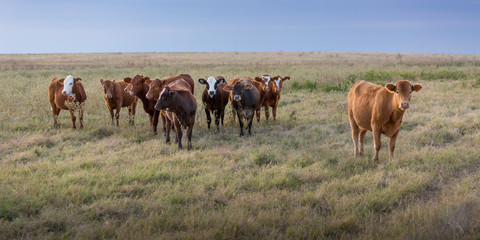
295, 178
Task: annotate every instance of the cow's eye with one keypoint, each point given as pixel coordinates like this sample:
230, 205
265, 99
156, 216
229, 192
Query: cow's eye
397, 92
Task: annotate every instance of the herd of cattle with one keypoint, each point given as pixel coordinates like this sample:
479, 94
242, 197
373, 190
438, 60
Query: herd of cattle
371, 107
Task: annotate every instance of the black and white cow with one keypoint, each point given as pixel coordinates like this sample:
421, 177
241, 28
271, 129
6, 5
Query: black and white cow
214, 98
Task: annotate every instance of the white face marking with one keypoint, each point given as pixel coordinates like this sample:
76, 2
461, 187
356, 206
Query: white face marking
211, 86
68, 85
277, 82
267, 79
163, 90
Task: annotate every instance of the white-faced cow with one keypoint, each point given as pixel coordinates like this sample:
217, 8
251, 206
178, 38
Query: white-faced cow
214, 98
67, 94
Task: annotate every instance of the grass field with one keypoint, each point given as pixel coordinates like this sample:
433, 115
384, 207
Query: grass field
295, 178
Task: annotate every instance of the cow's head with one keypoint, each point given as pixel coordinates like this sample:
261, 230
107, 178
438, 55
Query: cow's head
156, 87
238, 90
211, 84
166, 99
136, 84
402, 91
69, 86
108, 88
264, 81
278, 83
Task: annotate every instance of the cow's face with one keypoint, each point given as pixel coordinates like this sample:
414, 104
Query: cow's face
166, 99
278, 83
402, 91
135, 84
211, 84
156, 87
238, 90
265, 82
68, 86
108, 88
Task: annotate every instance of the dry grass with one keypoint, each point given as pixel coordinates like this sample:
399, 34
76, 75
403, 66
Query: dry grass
294, 178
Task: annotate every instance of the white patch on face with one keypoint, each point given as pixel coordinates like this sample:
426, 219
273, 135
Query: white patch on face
161, 93
68, 85
277, 82
211, 86
267, 79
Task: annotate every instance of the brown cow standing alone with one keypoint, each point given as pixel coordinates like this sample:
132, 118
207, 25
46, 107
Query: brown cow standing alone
116, 98
380, 110
67, 94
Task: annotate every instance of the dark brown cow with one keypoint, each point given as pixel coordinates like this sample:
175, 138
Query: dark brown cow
181, 107
214, 98
246, 99
137, 86
380, 110
67, 94
116, 98
261, 87
272, 95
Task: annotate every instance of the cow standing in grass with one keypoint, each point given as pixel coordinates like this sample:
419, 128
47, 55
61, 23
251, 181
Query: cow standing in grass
380, 110
214, 98
246, 99
116, 98
67, 94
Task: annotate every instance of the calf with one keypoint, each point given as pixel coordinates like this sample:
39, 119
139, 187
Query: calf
181, 107
67, 94
138, 87
115, 99
272, 96
246, 99
380, 110
214, 98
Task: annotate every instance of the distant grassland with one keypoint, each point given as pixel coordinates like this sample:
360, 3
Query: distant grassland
295, 178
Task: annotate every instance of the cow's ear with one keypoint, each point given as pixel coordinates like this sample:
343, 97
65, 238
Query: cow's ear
258, 79
61, 81
148, 81
416, 87
391, 88
286, 78
145, 79
248, 86
202, 81
228, 88
127, 79
77, 79
221, 80
101, 81
113, 80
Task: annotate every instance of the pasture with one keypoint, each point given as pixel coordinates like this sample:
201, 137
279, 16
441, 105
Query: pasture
295, 178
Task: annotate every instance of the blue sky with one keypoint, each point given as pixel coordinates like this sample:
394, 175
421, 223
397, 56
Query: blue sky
263, 25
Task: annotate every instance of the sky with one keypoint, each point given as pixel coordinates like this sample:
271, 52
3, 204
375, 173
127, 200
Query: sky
53, 26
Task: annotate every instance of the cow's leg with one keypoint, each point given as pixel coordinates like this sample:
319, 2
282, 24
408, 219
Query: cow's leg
189, 136
376, 141
72, 116
209, 119
240, 121
134, 109
178, 130
168, 128
129, 114
391, 145
234, 113
355, 134
267, 112
362, 141
111, 115
274, 111
155, 121
217, 119
117, 114
250, 121
55, 112
222, 115
164, 119
257, 112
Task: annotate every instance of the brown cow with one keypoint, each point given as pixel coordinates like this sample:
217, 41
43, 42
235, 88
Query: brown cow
214, 98
272, 96
380, 110
259, 85
181, 107
116, 98
137, 86
67, 94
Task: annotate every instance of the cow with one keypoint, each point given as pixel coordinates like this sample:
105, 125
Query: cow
214, 98
272, 94
380, 110
116, 98
180, 108
138, 87
67, 94
246, 99
261, 87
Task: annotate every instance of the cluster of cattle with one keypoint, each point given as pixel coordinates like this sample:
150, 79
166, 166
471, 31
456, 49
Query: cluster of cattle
172, 99
371, 107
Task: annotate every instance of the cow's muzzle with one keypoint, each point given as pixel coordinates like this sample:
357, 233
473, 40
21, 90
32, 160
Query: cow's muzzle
237, 98
211, 94
405, 105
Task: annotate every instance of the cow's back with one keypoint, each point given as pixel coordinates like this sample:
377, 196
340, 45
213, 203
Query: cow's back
361, 101
55, 95
251, 95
